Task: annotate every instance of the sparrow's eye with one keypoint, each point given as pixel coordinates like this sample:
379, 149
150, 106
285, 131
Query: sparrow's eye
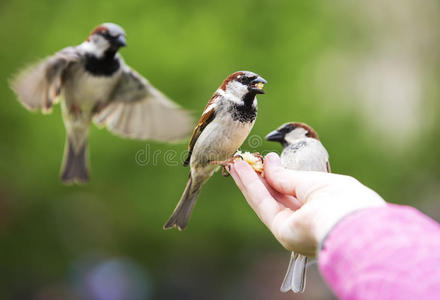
245, 80
286, 129
106, 35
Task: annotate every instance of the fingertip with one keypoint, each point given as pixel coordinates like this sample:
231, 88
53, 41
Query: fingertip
272, 158
232, 170
272, 162
277, 176
245, 172
236, 169
241, 165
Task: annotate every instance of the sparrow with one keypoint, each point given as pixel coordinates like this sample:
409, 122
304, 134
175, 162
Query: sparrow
302, 150
95, 84
224, 125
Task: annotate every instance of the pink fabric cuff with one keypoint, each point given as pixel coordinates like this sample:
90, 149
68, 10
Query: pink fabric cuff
390, 252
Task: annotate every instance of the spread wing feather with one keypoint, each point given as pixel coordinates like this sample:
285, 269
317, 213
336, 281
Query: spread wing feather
138, 110
39, 86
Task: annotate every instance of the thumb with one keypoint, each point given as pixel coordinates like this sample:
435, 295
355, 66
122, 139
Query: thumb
296, 183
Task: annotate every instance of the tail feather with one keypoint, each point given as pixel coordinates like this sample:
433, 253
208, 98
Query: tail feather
182, 212
299, 274
288, 278
75, 164
295, 278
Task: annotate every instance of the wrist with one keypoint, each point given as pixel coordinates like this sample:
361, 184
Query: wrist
330, 213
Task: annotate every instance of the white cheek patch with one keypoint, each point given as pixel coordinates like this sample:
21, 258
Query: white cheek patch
296, 134
235, 92
88, 47
97, 46
228, 96
237, 88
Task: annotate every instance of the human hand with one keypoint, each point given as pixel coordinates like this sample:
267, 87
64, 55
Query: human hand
300, 207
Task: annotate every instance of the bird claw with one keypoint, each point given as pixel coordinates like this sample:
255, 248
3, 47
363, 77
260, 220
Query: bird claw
98, 107
225, 163
75, 109
257, 154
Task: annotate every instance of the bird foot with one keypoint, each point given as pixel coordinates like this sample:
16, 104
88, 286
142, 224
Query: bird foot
75, 109
225, 163
257, 154
98, 107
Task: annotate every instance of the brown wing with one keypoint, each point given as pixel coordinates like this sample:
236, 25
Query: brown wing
39, 85
328, 167
206, 118
138, 110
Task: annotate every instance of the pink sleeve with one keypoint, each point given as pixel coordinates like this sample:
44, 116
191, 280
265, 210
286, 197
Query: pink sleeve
390, 252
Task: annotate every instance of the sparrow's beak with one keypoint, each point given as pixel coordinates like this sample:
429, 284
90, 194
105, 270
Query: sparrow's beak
275, 136
257, 85
119, 42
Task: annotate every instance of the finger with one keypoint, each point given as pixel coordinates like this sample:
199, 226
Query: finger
256, 194
296, 183
235, 176
286, 200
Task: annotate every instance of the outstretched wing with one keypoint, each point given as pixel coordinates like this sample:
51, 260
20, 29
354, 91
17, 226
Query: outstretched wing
39, 86
138, 110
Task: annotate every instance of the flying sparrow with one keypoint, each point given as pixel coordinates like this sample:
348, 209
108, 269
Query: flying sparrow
303, 151
225, 123
96, 84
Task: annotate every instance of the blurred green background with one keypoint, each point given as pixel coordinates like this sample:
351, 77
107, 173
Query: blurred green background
364, 74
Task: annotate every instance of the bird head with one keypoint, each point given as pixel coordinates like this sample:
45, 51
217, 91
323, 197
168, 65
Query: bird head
106, 37
243, 83
291, 132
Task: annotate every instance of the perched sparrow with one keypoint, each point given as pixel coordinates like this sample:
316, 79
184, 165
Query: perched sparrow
302, 151
225, 123
96, 84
